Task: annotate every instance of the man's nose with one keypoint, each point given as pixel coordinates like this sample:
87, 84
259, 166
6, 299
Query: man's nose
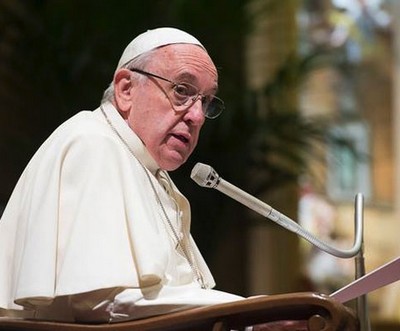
195, 112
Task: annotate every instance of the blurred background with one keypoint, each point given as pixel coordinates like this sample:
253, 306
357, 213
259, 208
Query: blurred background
312, 119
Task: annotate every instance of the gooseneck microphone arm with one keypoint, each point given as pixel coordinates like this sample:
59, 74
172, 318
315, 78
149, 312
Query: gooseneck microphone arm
206, 176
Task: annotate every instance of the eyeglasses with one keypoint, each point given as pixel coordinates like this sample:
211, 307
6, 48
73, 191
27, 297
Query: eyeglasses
184, 95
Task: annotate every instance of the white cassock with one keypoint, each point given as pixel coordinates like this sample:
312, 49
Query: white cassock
88, 233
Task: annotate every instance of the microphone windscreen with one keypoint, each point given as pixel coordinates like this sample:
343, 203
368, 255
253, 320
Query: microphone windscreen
200, 173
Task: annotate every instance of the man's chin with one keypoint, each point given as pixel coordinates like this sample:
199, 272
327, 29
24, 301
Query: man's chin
172, 164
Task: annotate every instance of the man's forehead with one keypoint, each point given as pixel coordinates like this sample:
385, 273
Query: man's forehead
183, 62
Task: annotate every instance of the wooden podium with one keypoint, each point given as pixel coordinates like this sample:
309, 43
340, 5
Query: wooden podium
318, 313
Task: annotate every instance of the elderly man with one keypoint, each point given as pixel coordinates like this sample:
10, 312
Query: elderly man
95, 229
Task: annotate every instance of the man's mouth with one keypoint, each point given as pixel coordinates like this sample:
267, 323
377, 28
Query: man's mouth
181, 138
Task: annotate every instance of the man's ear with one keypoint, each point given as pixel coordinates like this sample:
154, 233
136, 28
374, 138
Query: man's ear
123, 90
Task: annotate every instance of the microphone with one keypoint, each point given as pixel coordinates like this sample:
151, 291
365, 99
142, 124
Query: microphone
205, 176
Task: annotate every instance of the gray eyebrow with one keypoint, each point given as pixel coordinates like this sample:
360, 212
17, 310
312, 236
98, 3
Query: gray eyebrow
187, 77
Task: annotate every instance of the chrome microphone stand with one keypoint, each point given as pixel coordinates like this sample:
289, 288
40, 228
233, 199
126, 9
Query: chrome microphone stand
206, 176
362, 302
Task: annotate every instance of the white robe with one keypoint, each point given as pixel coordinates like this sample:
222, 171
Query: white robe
83, 237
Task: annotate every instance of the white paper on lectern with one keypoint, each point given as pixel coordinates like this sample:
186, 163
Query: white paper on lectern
385, 275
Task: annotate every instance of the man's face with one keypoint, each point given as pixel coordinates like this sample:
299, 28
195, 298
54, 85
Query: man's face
171, 136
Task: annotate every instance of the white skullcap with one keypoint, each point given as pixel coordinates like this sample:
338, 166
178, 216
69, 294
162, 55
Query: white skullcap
152, 39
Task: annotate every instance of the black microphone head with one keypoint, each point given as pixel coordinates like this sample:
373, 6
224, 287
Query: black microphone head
205, 175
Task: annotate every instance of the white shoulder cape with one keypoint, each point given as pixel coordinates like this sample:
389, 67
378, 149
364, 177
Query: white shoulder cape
74, 222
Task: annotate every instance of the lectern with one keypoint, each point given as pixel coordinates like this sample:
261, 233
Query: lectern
318, 313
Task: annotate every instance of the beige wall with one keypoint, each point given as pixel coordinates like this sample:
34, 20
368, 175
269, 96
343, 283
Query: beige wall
274, 259
376, 81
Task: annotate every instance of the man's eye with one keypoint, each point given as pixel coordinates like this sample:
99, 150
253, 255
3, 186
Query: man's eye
181, 90
185, 90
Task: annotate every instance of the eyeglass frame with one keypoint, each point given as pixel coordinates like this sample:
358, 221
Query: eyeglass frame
193, 98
